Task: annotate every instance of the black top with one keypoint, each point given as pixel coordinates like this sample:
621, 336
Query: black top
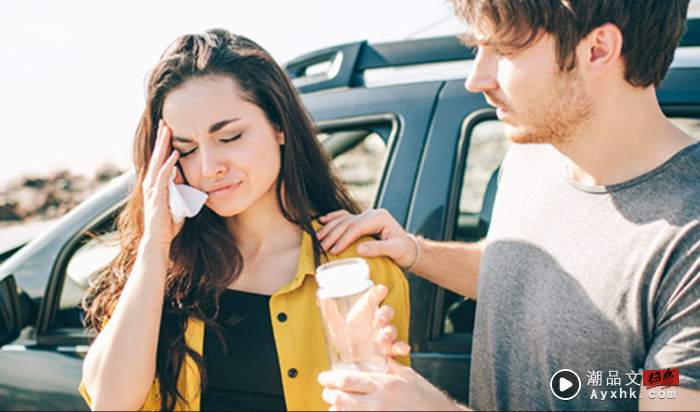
247, 377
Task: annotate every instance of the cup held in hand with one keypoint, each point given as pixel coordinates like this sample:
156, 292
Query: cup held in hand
348, 311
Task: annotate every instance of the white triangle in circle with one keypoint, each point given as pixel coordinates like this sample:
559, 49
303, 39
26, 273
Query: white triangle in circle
564, 384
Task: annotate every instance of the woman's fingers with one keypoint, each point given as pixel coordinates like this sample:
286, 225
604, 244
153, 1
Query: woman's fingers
400, 349
162, 147
160, 154
158, 219
163, 179
385, 315
151, 172
167, 170
387, 336
379, 293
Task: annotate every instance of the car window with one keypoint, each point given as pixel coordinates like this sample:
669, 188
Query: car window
488, 146
360, 150
92, 255
360, 166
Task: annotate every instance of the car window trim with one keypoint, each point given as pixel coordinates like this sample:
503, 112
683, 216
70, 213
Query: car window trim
327, 126
458, 343
48, 310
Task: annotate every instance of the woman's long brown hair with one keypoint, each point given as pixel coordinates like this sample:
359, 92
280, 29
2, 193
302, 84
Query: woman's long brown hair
204, 258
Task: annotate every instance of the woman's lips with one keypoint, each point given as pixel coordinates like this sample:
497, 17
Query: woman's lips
224, 191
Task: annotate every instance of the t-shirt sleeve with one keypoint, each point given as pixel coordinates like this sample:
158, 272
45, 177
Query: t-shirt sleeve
676, 338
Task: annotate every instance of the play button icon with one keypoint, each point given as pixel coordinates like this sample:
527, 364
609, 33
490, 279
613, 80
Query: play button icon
565, 385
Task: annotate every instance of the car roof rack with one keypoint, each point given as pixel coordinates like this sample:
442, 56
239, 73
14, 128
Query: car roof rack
344, 66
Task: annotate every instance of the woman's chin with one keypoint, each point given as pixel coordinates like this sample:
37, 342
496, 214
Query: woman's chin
226, 210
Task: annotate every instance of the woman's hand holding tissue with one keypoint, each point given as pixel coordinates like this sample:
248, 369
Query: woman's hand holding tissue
185, 201
159, 225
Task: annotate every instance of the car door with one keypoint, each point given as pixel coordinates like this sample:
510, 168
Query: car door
41, 370
461, 118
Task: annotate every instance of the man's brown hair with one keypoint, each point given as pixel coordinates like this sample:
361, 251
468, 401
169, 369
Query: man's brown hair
651, 29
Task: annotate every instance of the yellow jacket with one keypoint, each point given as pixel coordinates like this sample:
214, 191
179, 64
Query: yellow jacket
300, 341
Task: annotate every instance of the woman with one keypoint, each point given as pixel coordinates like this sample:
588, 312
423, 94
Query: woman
220, 312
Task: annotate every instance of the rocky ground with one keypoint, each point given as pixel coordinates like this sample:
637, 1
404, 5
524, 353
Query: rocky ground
37, 198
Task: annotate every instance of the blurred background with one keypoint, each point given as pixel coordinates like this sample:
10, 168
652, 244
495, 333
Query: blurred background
73, 74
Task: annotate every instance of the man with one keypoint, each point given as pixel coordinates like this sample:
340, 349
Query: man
592, 262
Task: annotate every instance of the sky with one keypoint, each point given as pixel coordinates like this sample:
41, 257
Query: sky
72, 72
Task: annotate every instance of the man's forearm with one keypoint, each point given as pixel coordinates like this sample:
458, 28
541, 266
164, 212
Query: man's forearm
452, 265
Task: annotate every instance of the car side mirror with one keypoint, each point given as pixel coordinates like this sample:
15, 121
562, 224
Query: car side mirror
10, 311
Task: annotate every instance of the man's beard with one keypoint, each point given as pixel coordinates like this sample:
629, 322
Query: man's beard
557, 118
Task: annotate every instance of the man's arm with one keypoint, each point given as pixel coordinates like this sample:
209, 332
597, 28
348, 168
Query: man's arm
685, 399
454, 266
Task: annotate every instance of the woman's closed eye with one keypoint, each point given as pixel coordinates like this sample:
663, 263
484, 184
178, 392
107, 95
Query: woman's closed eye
233, 139
185, 154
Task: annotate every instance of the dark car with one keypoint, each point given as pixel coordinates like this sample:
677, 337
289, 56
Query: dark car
405, 136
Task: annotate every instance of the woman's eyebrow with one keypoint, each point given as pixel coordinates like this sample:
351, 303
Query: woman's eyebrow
220, 125
181, 139
213, 129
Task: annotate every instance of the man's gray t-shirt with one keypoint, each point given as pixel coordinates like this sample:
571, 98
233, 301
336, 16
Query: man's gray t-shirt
590, 279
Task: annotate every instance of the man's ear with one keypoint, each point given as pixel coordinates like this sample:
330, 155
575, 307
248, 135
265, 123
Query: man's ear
602, 49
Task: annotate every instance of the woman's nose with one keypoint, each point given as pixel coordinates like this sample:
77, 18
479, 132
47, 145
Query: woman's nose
213, 165
484, 74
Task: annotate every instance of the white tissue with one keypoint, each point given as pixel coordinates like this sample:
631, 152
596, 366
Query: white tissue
185, 201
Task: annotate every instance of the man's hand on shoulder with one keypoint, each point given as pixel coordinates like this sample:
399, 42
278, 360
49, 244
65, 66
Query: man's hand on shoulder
341, 229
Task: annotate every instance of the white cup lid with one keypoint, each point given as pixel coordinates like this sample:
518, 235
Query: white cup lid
343, 277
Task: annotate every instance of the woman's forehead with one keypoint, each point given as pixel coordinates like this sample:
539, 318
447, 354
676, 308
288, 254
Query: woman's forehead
203, 91
200, 104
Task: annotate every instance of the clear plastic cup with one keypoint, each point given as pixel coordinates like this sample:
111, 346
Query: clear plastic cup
348, 312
